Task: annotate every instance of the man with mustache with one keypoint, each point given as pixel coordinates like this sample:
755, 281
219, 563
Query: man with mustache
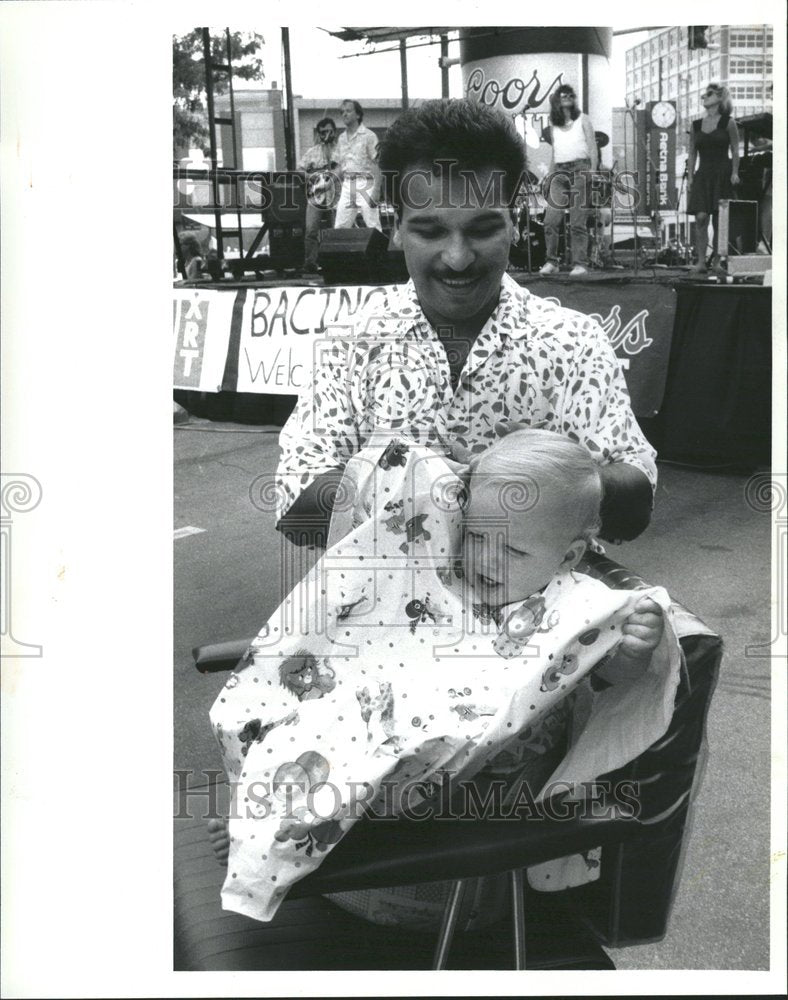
461, 352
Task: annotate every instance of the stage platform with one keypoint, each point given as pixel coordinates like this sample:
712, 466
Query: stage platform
658, 274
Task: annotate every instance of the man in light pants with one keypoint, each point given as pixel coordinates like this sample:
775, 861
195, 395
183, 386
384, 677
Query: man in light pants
357, 151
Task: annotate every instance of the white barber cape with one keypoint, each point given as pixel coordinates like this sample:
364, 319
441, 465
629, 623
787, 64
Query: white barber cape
377, 672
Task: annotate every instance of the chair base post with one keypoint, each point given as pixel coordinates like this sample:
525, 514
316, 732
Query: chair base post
518, 917
450, 916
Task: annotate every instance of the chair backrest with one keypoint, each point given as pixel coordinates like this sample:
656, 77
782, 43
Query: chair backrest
630, 902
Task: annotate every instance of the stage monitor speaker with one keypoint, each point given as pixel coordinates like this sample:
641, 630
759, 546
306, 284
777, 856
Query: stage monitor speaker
286, 217
352, 256
286, 198
738, 227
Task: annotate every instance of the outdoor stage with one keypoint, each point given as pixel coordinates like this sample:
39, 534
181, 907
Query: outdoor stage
696, 355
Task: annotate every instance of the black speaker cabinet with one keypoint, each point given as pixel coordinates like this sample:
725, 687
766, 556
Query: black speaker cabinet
353, 256
286, 217
287, 198
738, 227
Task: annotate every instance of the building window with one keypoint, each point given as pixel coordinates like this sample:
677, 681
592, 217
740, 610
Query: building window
747, 92
749, 39
745, 67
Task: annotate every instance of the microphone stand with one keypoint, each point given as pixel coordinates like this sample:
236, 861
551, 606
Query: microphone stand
613, 262
631, 112
686, 216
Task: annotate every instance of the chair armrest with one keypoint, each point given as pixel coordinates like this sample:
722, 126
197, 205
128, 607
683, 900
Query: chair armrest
216, 656
400, 851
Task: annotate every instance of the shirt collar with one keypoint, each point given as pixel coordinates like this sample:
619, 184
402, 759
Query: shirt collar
510, 318
361, 130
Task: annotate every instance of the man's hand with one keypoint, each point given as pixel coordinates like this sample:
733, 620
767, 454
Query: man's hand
642, 630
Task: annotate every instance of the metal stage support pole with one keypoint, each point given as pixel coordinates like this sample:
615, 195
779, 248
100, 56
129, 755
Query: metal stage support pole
289, 117
213, 121
403, 69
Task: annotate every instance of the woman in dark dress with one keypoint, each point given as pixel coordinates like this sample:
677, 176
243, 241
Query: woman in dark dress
718, 173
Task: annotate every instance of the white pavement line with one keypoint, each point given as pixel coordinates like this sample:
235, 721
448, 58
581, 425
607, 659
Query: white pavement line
188, 530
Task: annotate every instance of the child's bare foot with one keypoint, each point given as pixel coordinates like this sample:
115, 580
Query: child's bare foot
219, 836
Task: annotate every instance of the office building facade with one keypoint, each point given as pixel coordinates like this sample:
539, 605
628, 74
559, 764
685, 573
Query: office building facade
738, 56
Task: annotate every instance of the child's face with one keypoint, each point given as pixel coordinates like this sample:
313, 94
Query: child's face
509, 554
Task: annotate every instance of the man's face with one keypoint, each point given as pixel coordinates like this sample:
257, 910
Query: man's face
326, 133
508, 555
456, 241
349, 116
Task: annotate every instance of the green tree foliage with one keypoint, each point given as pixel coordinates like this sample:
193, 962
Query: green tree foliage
189, 110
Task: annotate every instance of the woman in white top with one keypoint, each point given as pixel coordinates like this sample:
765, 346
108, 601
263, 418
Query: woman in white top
573, 159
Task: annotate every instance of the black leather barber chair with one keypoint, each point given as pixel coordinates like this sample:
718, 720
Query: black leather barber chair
628, 904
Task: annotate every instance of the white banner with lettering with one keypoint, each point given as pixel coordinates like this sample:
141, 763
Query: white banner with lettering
284, 327
264, 340
201, 325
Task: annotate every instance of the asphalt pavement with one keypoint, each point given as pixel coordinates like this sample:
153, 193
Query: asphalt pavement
706, 544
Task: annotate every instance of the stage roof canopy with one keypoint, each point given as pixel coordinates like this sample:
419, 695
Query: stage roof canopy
757, 125
385, 34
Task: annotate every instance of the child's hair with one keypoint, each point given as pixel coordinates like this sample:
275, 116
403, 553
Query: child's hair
545, 459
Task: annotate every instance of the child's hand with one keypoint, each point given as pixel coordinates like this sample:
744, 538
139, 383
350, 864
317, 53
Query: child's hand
642, 630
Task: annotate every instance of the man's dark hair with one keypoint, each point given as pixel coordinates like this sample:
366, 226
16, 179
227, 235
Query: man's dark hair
556, 111
463, 132
357, 108
326, 121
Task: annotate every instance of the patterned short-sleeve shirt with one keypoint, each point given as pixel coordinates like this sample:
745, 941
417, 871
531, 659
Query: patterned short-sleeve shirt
534, 362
